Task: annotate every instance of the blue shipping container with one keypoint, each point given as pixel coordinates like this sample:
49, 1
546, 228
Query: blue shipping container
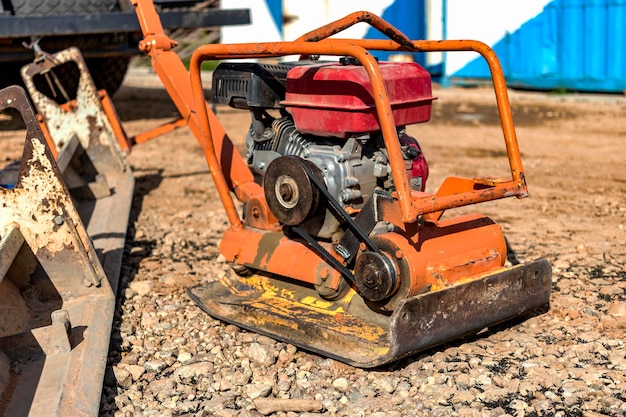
574, 45
409, 17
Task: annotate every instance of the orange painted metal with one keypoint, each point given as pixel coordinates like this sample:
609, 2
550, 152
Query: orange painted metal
46, 134
443, 253
352, 19
457, 250
144, 137
123, 140
412, 204
227, 167
275, 253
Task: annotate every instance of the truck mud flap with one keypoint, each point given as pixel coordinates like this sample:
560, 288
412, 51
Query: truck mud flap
348, 330
62, 235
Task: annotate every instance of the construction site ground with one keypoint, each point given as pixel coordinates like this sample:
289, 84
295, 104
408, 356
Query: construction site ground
168, 358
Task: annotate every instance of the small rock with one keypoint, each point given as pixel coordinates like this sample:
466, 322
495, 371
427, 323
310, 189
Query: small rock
142, 287
468, 412
175, 280
184, 357
148, 321
254, 391
463, 397
162, 389
135, 371
188, 406
195, 370
341, 384
387, 385
463, 381
617, 309
129, 293
155, 365
261, 355
123, 377
239, 378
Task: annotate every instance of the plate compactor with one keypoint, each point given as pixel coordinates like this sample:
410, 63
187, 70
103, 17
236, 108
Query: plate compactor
339, 249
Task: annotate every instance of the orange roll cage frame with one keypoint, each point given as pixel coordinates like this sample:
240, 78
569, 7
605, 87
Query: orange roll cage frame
228, 169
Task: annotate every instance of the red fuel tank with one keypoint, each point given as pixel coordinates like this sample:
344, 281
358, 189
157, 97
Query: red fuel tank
335, 99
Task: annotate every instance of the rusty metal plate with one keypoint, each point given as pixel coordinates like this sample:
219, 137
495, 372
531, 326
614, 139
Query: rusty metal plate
63, 259
349, 331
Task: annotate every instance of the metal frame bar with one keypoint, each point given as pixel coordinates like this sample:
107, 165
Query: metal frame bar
413, 204
98, 23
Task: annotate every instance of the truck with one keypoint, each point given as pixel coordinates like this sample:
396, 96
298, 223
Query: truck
107, 32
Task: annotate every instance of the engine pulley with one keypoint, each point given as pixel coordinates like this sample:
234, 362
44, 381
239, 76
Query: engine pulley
289, 192
376, 277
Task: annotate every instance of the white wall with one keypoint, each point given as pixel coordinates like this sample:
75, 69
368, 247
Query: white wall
485, 20
261, 29
307, 18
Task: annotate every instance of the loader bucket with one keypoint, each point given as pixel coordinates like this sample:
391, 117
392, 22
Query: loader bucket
63, 222
349, 331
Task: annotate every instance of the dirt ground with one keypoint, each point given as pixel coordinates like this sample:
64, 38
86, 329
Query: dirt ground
575, 216
572, 149
571, 144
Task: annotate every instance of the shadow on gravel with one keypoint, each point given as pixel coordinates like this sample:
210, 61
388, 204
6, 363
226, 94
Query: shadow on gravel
154, 103
467, 112
483, 334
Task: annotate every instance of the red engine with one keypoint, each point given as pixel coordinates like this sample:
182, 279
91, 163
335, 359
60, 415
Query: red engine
324, 113
336, 99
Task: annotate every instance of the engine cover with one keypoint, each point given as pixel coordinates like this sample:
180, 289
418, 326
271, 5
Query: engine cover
335, 99
324, 114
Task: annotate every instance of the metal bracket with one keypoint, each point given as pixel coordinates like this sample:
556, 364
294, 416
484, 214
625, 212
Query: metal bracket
49, 272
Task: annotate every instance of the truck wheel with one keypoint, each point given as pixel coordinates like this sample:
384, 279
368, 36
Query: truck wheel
107, 72
61, 7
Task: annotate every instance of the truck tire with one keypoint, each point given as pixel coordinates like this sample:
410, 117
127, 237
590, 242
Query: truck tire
107, 72
61, 7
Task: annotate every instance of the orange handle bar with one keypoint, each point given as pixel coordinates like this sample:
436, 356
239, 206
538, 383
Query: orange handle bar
411, 206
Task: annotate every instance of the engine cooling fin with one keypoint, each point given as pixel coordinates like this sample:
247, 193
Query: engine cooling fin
349, 331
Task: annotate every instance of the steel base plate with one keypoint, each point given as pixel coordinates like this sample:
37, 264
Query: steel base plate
351, 332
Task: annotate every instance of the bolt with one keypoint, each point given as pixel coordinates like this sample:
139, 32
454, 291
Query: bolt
256, 213
372, 277
399, 254
61, 318
324, 273
286, 192
58, 220
87, 283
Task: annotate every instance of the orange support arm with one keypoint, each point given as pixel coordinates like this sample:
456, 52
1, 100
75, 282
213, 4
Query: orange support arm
230, 171
228, 168
412, 204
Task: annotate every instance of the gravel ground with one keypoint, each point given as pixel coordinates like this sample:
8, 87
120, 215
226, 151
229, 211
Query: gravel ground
168, 358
